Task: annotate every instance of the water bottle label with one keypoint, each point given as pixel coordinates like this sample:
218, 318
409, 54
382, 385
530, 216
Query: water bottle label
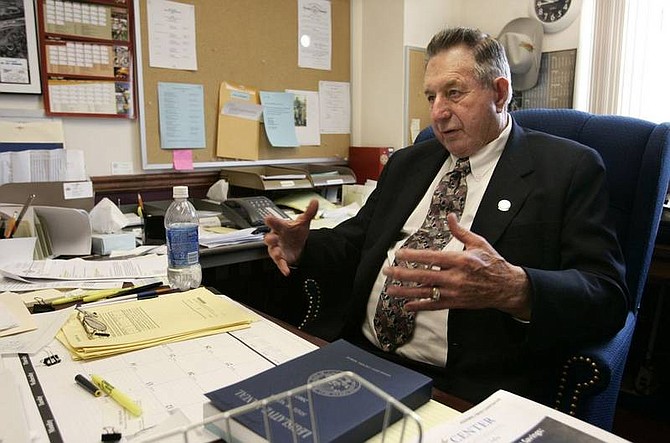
182, 246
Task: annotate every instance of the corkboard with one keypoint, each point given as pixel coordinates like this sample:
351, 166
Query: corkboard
253, 43
417, 105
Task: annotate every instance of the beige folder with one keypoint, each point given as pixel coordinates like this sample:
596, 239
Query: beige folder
238, 131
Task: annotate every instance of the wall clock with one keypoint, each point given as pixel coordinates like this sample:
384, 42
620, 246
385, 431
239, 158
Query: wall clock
555, 15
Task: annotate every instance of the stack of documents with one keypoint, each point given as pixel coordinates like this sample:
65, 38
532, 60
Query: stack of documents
140, 324
79, 273
14, 316
210, 239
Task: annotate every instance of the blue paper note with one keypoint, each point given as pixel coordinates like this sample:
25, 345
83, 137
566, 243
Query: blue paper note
181, 113
278, 118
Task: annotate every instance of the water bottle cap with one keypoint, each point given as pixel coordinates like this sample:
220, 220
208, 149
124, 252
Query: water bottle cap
180, 192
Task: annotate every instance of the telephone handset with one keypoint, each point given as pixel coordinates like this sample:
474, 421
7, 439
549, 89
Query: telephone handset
250, 211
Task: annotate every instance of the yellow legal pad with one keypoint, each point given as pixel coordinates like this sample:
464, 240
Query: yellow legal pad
139, 324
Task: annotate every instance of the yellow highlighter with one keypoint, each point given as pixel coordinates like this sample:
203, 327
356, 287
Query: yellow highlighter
117, 395
86, 296
100, 294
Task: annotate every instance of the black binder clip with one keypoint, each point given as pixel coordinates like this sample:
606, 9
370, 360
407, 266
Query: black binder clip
51, 359
110, 434
42, 306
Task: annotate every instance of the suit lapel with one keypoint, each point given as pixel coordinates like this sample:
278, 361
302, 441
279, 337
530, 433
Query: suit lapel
507, 185
414, 184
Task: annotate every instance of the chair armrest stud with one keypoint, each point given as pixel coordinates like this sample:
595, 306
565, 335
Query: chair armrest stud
313, 293
569, 387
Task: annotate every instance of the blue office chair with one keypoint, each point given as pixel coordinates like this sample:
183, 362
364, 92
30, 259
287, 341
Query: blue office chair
425, 134
637, 158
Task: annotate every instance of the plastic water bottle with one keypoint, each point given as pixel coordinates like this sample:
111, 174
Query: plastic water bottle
181, 236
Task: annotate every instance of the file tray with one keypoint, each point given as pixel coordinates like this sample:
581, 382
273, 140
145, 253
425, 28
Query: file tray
266, 178
225, 425
327, 175
46, 194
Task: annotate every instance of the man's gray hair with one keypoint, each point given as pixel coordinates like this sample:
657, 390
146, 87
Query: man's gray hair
490, 59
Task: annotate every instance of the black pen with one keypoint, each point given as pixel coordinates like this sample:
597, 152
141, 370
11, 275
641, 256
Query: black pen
138, 289
144, 295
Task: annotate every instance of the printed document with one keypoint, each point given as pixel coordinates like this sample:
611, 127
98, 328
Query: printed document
80, 269
138, 324
506, 417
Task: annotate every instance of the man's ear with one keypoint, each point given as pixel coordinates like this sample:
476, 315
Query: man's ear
501, 86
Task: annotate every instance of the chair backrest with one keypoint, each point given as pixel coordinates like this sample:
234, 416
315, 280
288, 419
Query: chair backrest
636, 154
425, 134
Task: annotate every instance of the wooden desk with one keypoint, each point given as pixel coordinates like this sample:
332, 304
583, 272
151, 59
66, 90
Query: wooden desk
126, 369
440, 396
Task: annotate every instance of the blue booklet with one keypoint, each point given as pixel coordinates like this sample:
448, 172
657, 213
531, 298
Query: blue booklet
343, 411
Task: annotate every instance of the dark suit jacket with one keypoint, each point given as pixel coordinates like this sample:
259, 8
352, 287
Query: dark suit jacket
557, 229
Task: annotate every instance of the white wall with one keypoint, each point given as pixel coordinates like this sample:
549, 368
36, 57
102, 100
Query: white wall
423, 18
103, 140
507, 10
380, 31
380, 123
377, 75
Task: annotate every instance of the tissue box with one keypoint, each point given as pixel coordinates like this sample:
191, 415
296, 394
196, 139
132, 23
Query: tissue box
104, 244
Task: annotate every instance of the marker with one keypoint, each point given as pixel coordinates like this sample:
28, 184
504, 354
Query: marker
88, 385
80, 297
9, 225
117, 395
135, 289
140, 205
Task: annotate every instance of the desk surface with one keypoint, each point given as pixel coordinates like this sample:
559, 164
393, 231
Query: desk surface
164, 379
231, 254
440, 396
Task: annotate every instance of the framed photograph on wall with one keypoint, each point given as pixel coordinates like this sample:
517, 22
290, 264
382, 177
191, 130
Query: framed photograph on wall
19, 62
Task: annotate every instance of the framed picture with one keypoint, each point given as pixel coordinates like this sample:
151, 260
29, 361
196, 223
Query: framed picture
19, 62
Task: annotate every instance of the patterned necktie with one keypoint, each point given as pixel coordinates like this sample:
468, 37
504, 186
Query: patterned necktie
394, 326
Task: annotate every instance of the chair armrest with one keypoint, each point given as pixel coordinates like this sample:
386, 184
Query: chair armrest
593, 371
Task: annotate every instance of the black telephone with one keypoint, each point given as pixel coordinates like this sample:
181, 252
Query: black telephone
250, 211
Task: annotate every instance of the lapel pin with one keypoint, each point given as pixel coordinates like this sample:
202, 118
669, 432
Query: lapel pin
504, 205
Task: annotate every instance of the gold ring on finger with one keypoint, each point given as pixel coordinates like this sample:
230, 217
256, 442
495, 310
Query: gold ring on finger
435, 294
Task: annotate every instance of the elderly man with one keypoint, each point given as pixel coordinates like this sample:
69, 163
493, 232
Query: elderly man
482, 254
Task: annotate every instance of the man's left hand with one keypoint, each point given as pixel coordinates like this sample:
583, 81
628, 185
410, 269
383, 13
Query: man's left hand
475, 278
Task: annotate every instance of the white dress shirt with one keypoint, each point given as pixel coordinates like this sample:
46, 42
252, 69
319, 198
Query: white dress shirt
429, 341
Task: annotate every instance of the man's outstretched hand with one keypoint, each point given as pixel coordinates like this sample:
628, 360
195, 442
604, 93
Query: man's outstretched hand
287, 238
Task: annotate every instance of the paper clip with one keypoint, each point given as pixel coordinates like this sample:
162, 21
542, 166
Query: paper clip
51, 359
110, 434
42, 306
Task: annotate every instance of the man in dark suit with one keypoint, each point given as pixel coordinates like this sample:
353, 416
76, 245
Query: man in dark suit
531, 268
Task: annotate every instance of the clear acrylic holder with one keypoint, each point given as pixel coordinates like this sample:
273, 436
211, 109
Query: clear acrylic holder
408, 427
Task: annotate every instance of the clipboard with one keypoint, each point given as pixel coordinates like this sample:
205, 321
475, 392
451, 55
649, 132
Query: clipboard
238, 134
